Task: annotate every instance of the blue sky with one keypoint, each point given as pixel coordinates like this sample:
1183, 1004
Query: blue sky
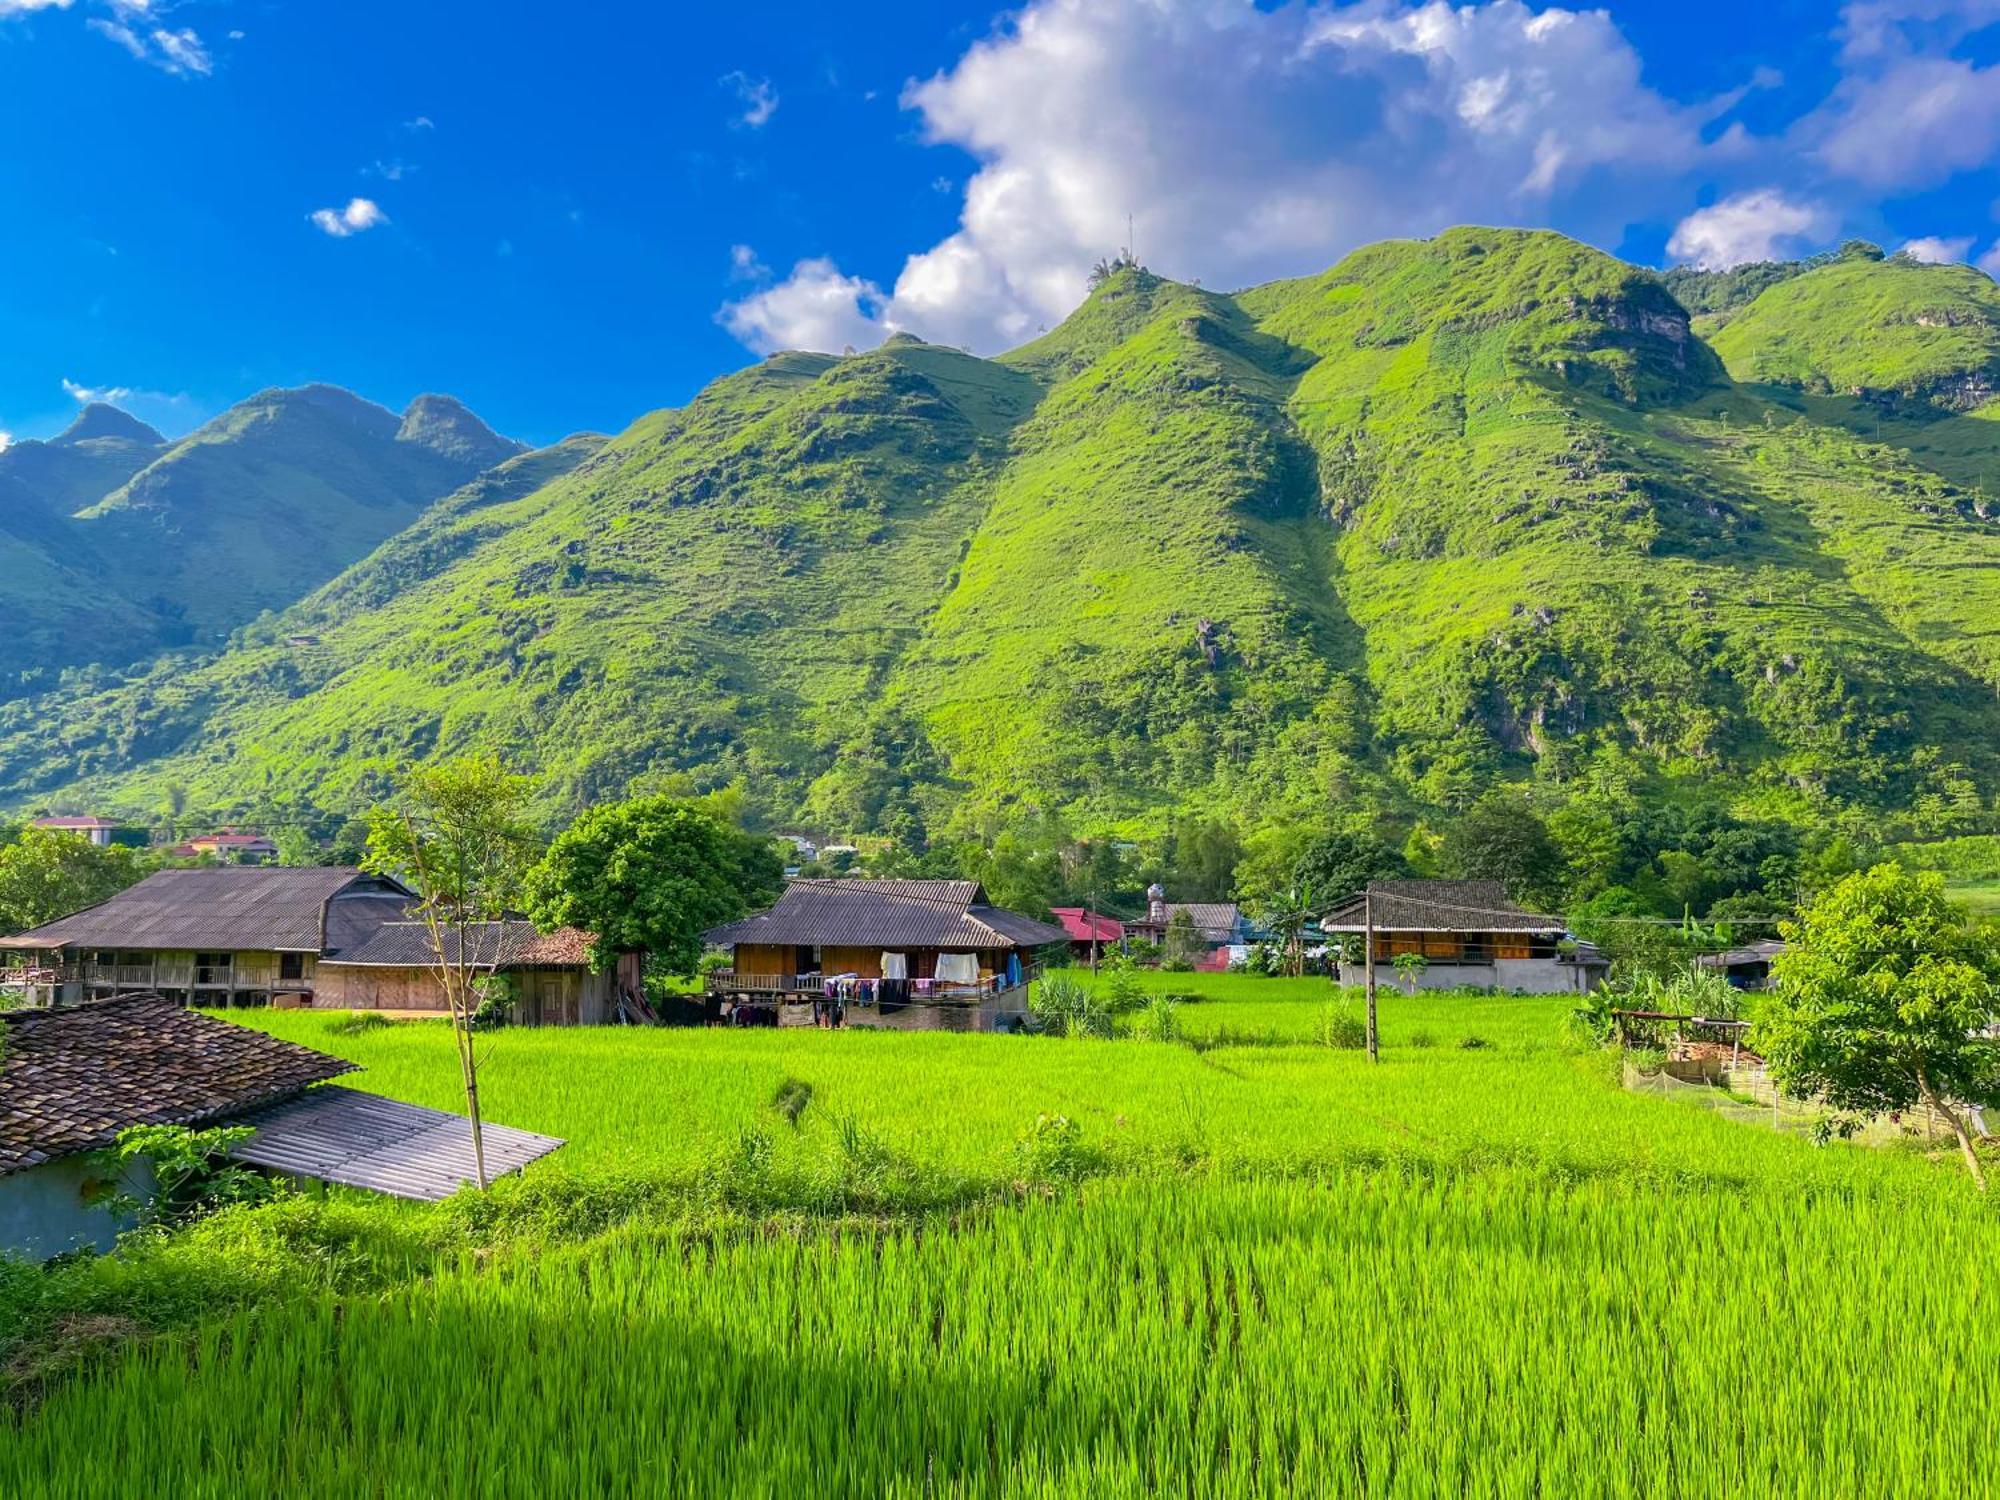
570, 217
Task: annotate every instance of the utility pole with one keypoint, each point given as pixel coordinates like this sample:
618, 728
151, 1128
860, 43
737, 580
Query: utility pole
1091, 917
1368, 967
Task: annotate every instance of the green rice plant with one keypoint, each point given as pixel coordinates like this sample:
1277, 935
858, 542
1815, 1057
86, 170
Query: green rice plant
1250, 1265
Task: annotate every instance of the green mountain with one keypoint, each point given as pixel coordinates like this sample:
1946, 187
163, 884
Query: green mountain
118, 544
1478, 507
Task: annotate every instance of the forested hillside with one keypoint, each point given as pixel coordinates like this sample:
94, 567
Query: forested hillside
118, 543
1482, 508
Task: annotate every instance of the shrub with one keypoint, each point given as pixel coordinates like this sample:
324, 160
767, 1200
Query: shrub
1159, 1019
1063, 1006
1121, 993
1340, 1027
1052, 1153
1474, 1043
791, 1099
191, 1174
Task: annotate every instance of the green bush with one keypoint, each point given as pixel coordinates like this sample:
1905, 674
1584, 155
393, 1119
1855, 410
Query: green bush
1338, 1026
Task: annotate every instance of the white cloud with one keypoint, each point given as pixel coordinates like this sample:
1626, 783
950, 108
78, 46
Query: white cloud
744, 265
1938, 251
1249, 143
758, 98
6, 438
421, 122
178, 52
1908, 123
361, 214
9, 8
183, 52
123, 35
1760, 225
1990, 261
85, 394
815, 307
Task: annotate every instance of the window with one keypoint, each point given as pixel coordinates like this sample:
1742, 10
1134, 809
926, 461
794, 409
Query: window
104, 958
291, 966
212, 968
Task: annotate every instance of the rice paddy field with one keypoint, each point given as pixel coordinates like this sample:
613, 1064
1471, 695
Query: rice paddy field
1250, 1264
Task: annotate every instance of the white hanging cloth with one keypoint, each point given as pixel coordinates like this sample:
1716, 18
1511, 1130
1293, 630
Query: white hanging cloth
895, 966
958, 968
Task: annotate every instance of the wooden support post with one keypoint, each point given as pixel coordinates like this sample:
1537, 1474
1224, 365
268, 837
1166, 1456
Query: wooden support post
1368, 970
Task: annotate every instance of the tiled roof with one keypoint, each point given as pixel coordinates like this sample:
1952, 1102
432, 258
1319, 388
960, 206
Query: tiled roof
73, 1077
1438, 906
862, 913
257, 908
1085, 926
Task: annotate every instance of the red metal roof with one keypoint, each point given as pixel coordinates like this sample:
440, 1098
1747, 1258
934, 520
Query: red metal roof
1086, 926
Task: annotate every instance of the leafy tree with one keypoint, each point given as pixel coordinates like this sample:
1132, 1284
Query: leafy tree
1341, 864
1181, 943
1288, 917
650, 876
46, 873
1205, 859
1409, 969
458, 836
1882, 999
1501, 838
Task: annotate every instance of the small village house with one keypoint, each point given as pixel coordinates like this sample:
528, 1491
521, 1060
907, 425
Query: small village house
327, 938
73, 1077
1747, 967
1468, 933
228, 847
1092, 935
904, 953
102, 832
1219, 930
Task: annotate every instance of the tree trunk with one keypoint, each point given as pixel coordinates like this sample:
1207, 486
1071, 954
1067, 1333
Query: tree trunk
1958, 1128
472, 1114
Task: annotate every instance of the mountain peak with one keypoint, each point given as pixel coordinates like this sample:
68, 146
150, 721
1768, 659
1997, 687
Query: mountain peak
98, 420
446, 426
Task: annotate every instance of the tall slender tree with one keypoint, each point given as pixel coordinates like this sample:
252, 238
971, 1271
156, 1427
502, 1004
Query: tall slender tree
459, 837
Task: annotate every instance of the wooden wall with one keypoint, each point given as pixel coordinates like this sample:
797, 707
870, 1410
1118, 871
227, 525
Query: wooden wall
543, 997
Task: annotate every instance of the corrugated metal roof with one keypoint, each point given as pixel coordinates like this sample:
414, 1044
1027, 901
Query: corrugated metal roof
1085, 926
260, 908
1438, 906
73, 1077
1218, 921
406, 944
892, 914
366, 1141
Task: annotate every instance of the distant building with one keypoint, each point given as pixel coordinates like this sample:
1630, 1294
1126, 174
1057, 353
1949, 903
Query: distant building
1091, 934
1219, 926
1469, 933
904, 953
322, 937
1748, 967
100, 831
74, 1077
229, 847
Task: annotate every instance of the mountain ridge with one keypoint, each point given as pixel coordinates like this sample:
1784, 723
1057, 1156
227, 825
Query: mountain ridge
1451, 513
121, 543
